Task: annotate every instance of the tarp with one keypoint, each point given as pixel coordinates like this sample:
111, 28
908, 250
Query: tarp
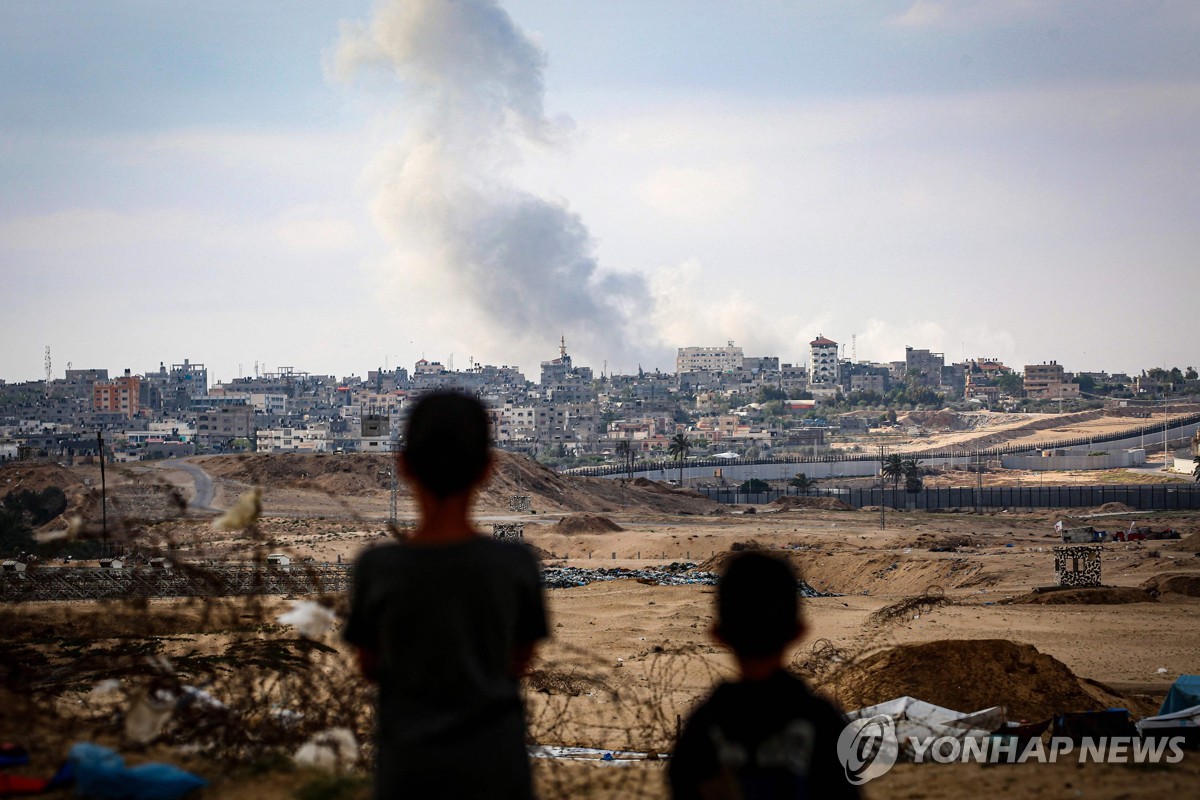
1184, 723
1185, 718
729, 454
1184, 693
918, 719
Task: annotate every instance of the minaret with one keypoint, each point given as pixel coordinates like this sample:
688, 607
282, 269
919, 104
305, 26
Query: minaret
562, 346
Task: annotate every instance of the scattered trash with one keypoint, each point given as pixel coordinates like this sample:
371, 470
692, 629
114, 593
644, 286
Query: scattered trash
679, 573
107, 686
1162, 670
147, 715
332, 750
311, 620
101, 773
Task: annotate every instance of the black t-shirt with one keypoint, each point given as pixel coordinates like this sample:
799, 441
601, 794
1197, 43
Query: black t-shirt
445, 621
761, 739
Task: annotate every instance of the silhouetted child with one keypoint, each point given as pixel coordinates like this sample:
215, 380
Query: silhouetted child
446, 622
767, 735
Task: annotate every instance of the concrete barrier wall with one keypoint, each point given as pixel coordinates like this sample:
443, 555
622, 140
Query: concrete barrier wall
1111, 460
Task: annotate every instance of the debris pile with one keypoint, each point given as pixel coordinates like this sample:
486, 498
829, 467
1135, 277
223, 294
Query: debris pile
971, 673
677, 573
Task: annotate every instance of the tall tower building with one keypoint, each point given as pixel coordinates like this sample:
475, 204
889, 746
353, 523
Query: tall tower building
823, 362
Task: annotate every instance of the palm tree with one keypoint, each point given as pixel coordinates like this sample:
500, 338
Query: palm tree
1196, 469
625, 451
893, 467
803, 482
679, 447
912, 466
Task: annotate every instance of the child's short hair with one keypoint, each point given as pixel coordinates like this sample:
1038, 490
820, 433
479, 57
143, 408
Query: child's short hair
757, 609
446, 442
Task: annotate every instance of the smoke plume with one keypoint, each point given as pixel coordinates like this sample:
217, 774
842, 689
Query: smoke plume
462, 231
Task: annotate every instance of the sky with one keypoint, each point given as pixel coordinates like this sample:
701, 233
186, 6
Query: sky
343, 185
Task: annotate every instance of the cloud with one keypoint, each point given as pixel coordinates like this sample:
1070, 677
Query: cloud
517, 268
696, 193
82, 229
960, 14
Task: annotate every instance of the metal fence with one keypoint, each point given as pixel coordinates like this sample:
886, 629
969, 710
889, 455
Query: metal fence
1143, 497
94, 583
664, 464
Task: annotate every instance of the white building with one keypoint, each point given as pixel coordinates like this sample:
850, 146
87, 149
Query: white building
709, 359
822, 364
310, 439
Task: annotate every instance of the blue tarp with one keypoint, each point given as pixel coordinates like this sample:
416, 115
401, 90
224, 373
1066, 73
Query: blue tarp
1184, 693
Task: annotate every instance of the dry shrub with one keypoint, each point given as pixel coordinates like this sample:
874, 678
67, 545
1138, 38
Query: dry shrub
933, 597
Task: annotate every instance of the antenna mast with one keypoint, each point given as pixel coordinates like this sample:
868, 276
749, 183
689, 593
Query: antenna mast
48, 370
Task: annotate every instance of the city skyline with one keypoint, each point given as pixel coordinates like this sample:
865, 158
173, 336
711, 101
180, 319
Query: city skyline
237, 183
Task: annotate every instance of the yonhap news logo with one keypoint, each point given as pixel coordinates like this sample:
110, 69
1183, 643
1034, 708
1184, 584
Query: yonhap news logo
868, 748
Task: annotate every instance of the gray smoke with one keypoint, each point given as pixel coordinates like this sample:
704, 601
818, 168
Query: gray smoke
462, 230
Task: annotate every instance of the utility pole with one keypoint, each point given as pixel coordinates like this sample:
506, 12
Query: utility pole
979, 483
882, 498
394, 453
103, 494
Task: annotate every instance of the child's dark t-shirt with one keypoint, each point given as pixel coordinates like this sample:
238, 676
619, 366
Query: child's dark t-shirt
761, 739
445, 621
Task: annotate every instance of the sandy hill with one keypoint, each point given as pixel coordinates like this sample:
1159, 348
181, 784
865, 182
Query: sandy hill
358, 475
971, 674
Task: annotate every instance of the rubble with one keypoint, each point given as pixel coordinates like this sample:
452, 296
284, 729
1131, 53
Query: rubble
677, 573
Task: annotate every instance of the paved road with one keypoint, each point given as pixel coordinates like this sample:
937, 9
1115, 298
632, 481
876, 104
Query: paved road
201, 479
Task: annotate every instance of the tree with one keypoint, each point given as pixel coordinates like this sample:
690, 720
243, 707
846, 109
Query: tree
892, 468
1010, 383
625, 451
754, 486
1196, 469
803, 482
678, 448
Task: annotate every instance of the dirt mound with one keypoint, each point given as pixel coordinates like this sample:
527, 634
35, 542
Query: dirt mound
364, 474
717, 562
1113, 508
21, 476
1188, 544
354, 474
822, 503
517, 474
1090, 596
585, 523
1187, 585
943, 420
968, 675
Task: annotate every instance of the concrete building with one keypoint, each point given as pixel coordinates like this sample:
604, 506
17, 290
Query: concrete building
925, 366
561, 371
710, 359
218, 427
1049, 382
119, 396
307, 439
823, 371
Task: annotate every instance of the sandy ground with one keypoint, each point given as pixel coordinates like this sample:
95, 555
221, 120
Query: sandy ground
627, 660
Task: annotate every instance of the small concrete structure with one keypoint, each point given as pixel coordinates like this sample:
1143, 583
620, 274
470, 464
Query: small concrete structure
509, 531
279, 560
1064, 459
111, 563
160, 563
1077, 565
12, 565
520, 504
